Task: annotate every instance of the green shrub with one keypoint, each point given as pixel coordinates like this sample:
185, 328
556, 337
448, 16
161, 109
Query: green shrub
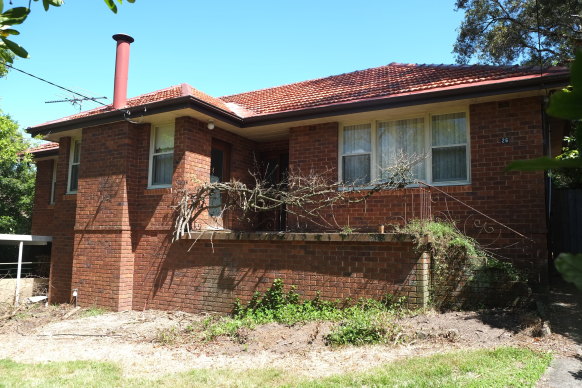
456, 258
366, 321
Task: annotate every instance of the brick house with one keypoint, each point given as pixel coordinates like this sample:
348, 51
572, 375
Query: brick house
106, 184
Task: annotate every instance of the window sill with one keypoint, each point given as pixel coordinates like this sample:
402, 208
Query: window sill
158, 190
70, 196
436, 184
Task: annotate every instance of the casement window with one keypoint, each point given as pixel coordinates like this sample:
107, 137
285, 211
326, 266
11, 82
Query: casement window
74, 162
367, 149
161, 166
53, 183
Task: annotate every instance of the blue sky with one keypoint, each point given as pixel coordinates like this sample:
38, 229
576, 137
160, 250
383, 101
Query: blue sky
218, 47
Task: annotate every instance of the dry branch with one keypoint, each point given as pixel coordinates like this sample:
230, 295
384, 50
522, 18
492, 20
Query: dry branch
309, 197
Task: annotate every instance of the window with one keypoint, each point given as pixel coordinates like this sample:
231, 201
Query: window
357, 152
219, 172
74, 161
161, 156
53, 182
449, 148
367, 149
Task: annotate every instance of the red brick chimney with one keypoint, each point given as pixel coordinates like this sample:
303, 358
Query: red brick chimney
121, 66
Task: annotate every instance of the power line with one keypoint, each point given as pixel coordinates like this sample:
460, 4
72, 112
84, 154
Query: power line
126, 113
53, 84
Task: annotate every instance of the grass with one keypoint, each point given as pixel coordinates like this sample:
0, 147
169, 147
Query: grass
503, 367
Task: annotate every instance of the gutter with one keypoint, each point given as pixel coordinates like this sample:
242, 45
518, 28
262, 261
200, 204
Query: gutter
411, 99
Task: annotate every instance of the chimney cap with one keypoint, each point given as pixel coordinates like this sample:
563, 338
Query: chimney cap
123, 38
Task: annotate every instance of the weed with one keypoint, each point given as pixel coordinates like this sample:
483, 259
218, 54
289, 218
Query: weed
367, 321
456, 258
167, 336
92, 312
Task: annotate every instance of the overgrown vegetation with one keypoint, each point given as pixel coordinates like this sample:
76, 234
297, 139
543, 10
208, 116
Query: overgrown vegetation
458, 263
503, 367
362, 322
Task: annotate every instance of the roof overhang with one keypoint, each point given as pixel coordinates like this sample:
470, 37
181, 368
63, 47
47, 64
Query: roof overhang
444, 94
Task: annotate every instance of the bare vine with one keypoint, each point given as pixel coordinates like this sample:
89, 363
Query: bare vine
308, 197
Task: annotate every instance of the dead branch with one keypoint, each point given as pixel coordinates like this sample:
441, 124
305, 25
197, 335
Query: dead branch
309, 197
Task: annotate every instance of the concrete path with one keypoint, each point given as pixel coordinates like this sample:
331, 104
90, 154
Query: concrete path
565, 315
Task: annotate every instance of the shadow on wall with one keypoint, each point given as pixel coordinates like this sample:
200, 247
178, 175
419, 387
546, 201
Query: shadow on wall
210, 276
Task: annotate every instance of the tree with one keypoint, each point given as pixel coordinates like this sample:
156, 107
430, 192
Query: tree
565, 104
17, 176
17, 15
506, 31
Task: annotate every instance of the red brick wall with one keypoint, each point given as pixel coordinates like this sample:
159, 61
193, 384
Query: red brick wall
209, 276
42, 222
62, 225
103, 257
314, 148
516, 199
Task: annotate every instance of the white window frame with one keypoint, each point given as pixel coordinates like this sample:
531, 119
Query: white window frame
371, 153
152, 154
53, 183
427, 116
72, 163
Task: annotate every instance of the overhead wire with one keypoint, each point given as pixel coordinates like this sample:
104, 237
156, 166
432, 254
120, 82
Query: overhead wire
125, 112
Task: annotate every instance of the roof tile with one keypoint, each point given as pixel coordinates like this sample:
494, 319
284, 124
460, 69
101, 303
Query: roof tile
379, 82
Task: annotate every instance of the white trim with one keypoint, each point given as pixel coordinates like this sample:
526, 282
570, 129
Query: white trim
71, 158
427, 117
152, 153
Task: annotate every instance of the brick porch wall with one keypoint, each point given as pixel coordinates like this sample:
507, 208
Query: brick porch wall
209, 276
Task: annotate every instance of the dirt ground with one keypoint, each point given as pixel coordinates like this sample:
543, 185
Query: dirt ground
132, 339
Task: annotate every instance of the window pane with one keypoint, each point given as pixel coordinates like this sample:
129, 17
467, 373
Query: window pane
356, 169
449, 129
401, 136
449, 164
162, 169
164, 139
74, 177
215, 201
357, 139
77, 151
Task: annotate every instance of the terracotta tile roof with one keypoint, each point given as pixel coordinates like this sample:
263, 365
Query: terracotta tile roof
148, 98
385, 81
380, 82
49, 146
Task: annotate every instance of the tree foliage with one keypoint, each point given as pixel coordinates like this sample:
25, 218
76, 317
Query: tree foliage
17, 176
15, 16
565, 104
506, 31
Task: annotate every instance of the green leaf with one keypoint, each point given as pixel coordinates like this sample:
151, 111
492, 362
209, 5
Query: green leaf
566, 104
576, 71
1, 5
111, 5
5, 54
14, 16
47, 3
570, 266
8, 31
543, 163
15, 48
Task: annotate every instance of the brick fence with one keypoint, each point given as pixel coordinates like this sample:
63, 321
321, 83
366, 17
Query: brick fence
210, 271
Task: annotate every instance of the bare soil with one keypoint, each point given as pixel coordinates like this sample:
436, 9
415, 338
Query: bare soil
154, 343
